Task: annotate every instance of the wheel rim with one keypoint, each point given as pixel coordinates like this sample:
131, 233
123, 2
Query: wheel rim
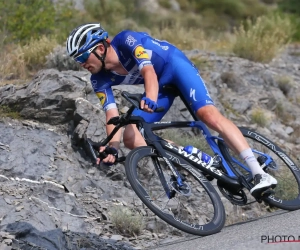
282, 167
194, 210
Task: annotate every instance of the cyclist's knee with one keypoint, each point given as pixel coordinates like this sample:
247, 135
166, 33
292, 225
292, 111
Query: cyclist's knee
128, 138
211, 116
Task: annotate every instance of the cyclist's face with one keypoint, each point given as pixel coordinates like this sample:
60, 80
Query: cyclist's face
93, 64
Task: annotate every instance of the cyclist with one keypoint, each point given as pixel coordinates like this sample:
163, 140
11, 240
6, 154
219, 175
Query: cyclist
137, 58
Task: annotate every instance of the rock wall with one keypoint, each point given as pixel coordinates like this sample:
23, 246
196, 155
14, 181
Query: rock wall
53, 197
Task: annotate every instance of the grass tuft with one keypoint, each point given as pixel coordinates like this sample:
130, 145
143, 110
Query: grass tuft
285, 84
125, 222
6, 111
20, 61
263, 39
259, 117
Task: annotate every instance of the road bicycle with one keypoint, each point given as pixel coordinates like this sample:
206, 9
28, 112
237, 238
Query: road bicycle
182, 190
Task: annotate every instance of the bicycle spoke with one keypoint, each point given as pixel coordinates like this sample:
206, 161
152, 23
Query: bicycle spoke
279, 164
181, 207
194, 206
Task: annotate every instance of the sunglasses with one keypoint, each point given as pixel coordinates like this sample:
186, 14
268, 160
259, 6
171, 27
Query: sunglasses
82, 58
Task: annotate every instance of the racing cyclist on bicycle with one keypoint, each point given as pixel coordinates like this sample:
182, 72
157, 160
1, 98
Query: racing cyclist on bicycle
137, 58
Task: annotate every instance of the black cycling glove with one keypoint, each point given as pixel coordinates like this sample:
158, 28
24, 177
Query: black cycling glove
111, 151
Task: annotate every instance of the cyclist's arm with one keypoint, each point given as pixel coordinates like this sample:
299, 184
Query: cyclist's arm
115, 141
105, 94
133, 42
151, 82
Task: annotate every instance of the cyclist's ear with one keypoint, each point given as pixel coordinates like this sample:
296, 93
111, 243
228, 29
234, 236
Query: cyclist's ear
101, 48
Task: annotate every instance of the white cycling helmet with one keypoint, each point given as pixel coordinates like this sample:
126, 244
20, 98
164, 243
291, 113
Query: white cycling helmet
85, 37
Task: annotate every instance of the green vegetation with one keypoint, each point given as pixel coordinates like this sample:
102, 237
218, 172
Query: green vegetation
282, 113
262, 40
218, 14
293, 8
285, 83
125, 222
183, 139
19, 23
21, 61
6, 111
258, 116
252, 29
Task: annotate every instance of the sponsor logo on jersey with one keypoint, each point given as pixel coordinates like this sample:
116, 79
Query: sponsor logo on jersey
94, 83
192, 94
134, 76
158, 44
127, 62
102, 97
140, 53
130, 40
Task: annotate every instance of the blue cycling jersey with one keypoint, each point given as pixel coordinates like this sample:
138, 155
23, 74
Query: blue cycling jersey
136, 50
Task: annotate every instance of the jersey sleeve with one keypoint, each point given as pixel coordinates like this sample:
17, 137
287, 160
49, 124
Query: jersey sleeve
133, 42
106, 98
105, 94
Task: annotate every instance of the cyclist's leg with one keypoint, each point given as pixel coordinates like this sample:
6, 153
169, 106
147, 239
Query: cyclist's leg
195, 92
236, 141
188, 80
132, 137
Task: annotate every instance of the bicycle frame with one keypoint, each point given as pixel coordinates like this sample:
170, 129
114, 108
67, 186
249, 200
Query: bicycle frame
159, 144
233, 178
211, 140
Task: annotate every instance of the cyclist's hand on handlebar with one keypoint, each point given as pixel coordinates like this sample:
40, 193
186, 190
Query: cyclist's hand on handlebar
148, 105
111, 155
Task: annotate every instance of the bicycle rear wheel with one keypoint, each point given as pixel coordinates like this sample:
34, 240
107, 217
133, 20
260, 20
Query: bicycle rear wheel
199, 212
283, 168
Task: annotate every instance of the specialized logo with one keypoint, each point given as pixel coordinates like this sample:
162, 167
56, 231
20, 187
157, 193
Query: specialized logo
192, 94
102, 97
140, 53
130, 40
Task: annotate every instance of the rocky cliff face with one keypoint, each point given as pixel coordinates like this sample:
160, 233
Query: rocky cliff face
53, 197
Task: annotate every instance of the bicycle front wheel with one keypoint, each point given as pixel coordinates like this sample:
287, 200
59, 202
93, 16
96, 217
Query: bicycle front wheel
198, 211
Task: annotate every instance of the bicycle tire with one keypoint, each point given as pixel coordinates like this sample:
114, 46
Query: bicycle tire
137, 172
287, 191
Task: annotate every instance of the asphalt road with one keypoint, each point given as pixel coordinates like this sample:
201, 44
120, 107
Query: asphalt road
264, 233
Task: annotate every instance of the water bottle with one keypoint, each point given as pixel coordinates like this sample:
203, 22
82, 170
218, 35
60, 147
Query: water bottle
201, 155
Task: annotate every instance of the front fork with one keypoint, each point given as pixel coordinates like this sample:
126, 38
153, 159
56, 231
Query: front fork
170, 193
